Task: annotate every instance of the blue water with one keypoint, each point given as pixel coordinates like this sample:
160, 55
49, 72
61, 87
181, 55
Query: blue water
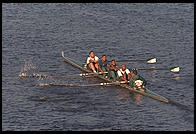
39, 32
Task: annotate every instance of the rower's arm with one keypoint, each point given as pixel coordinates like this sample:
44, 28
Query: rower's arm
90, 61
113, 68
109, 67
117, 68
124, 77
121, 76
96, 59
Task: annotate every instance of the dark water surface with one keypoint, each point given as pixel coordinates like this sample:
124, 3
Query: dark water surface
122, 31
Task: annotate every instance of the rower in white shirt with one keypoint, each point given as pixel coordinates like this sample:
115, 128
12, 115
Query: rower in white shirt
92, 62
124, 73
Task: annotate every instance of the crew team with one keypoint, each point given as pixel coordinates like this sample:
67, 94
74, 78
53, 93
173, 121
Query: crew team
114, 72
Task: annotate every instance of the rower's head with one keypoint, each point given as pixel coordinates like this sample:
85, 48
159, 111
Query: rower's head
103, 58
123, 66
92, 54
113, 62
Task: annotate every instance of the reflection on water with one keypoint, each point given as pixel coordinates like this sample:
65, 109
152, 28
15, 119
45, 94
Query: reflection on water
124, 94
44, 98
121, 31
176, 76
138, 99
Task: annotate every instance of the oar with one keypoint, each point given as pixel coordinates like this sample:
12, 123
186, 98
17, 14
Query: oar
60, 76
149, 60
34, 75
172, 69
80, 74
78, 85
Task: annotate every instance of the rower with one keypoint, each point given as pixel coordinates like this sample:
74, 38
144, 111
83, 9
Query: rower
92, 62
136, 80
112, 70
123, 73
102, 64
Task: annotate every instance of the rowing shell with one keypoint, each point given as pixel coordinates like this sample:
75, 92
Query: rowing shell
148, 93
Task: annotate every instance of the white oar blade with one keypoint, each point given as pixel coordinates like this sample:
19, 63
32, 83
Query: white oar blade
152, 60
62, 53
175, 69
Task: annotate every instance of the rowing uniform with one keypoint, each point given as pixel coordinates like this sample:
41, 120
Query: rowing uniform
90, 58
103, 64
121, 73
112, 73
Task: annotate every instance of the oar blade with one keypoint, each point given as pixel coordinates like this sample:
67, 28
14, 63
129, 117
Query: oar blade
62, 54
151, 60
175, 69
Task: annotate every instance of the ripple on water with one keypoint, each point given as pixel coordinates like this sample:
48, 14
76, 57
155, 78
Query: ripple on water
135, 31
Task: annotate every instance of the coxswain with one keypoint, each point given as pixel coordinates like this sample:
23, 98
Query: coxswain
112, 70
136, 80
92, 62
124, 73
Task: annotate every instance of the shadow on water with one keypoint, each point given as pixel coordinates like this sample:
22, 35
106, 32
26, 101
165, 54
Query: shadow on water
181, 106
44, 98
71, 109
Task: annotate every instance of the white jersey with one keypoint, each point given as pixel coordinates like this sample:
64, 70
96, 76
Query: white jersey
89, 58
121, 72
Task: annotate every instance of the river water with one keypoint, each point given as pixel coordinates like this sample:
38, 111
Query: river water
37, 33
